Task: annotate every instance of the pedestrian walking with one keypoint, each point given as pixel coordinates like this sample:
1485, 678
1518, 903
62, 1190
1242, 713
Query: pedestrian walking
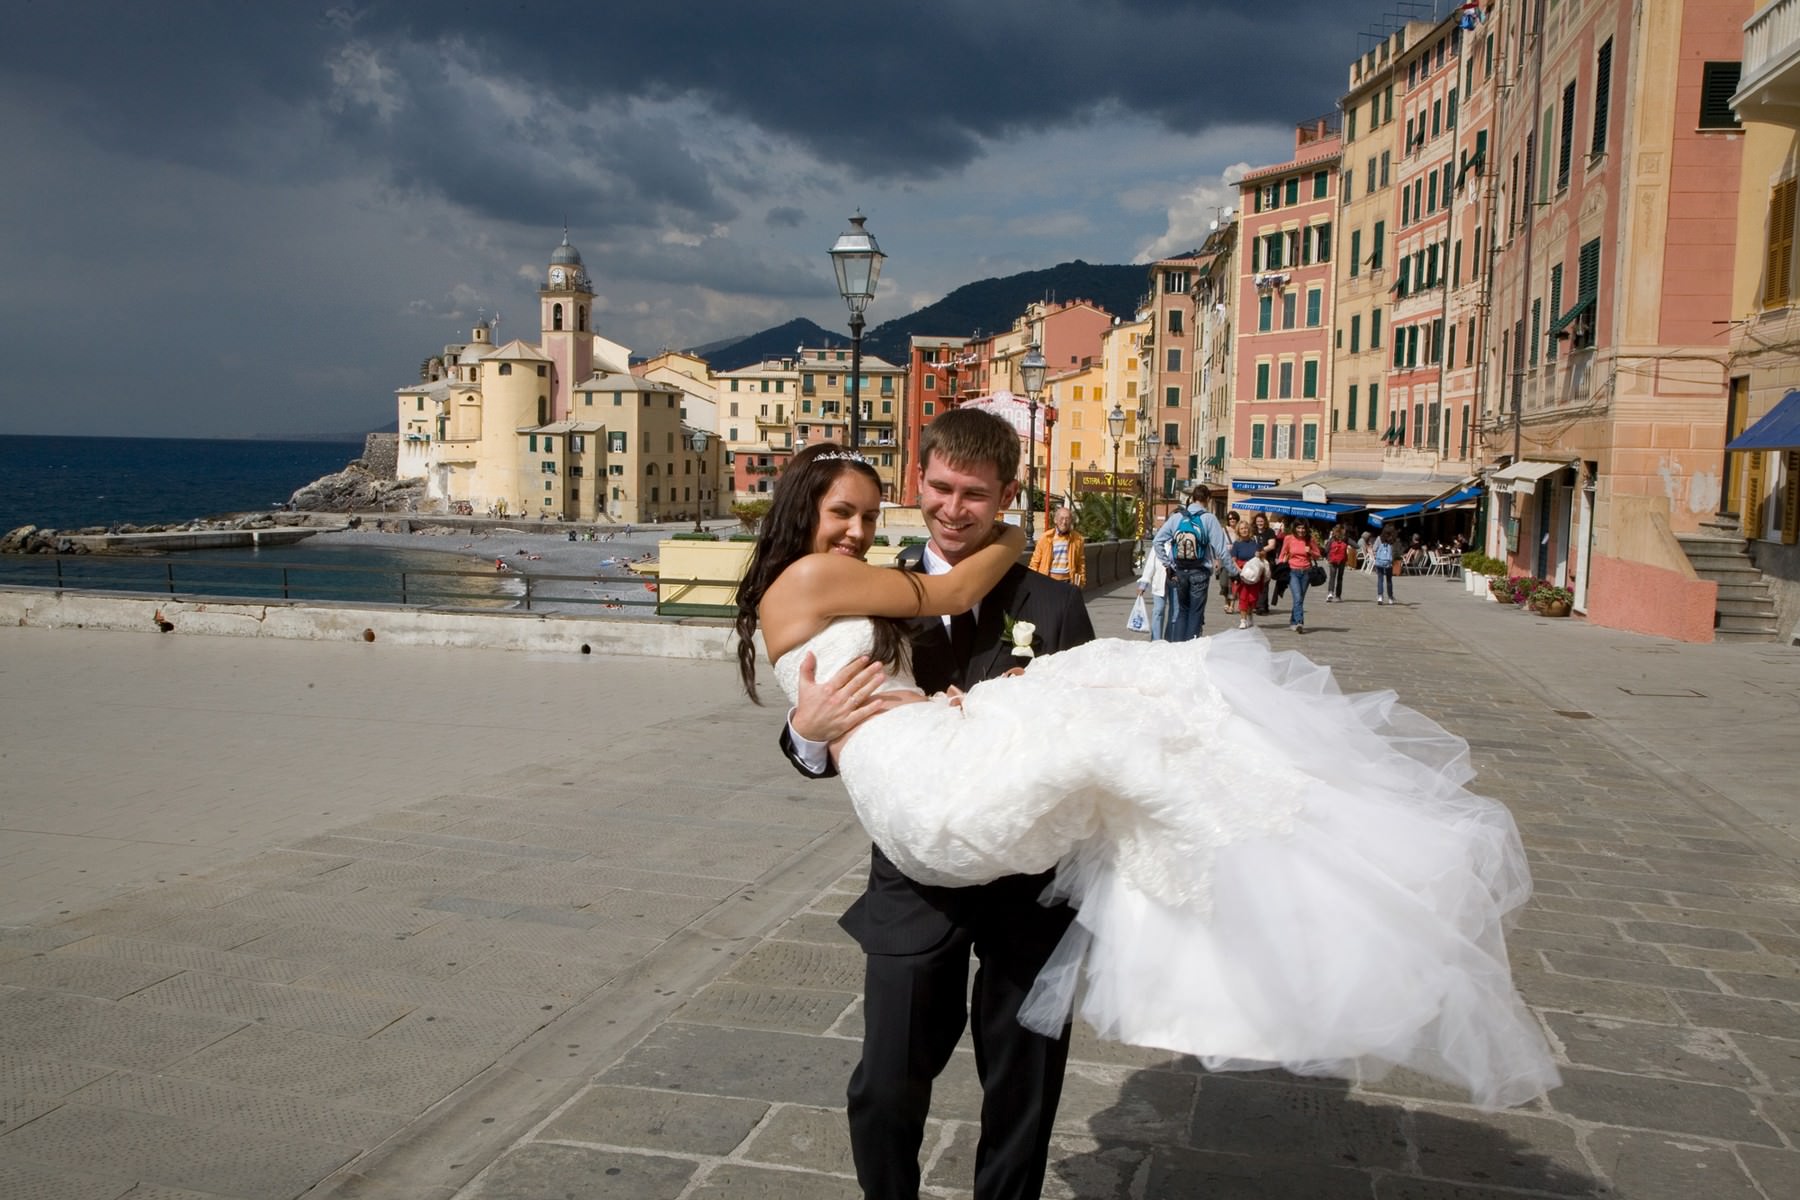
1228, 577
1192, 545
1252, 572
1337, 558
1299, 550
1155, 577
1268, 546
1386, 559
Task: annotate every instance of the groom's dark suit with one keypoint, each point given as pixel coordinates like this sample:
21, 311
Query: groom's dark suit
918, 939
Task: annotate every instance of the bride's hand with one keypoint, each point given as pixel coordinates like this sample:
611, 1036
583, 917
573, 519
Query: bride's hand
1009, 535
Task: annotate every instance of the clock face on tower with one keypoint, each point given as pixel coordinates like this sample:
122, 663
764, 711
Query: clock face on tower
557, 276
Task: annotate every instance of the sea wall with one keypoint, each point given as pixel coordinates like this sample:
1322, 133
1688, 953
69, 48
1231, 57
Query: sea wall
384, 625
381, 454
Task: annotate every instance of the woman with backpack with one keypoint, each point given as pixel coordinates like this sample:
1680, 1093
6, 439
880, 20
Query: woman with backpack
1387, 561
1299, 551
1337, 557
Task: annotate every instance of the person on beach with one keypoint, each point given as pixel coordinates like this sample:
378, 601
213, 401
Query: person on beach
1339, 911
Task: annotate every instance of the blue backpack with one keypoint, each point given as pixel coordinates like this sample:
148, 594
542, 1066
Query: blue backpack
1187, 548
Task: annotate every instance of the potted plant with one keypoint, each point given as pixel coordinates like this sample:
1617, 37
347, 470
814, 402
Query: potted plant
1478, 568
1551, 601
1521, 587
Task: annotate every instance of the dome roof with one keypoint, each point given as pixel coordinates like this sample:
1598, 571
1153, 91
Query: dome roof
566, 254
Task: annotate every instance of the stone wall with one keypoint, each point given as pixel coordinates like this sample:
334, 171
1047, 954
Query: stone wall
381, 452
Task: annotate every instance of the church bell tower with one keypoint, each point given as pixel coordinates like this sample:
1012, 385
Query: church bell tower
566, 301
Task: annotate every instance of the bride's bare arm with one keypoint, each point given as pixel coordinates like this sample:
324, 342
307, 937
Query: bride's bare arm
834, 585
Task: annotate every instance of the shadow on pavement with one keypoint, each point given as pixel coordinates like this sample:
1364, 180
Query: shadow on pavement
1274, 1136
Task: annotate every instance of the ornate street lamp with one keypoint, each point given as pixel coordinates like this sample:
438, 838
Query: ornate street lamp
1149, 442
697, 440
1049, 458
1031, 373
1115, 424
857, 260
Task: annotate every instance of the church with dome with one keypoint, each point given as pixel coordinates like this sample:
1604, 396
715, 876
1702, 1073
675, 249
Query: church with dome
559, 429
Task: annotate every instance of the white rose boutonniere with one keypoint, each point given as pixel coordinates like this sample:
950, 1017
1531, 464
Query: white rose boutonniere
1020, 634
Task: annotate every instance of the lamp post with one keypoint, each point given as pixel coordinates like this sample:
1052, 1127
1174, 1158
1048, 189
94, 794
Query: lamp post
1049, 458
1115, 424
857, 260
697, 440
1031, 373
1149, 442
1165, 463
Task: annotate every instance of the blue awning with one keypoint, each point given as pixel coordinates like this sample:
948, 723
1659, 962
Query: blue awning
1467, 494
1378, 519
1777, 429
1299, 508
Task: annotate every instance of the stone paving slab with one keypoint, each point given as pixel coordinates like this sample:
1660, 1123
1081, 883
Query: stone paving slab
611, 982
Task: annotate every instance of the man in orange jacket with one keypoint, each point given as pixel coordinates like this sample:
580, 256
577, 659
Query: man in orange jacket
1059, 552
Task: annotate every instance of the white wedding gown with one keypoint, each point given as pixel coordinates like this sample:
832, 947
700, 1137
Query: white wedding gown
1268, 872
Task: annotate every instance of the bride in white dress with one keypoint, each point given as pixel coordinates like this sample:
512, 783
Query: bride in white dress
1267, 872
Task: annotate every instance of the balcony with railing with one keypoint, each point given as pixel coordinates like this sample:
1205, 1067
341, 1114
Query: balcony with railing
1769, 86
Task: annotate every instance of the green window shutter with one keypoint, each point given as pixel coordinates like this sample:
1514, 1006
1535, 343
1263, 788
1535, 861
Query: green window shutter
1718, 80
1355, 253
1537, 317
1309, 380
1565, 151
1602, 96
1314, 299
1375, 330
1265, 312
1262, 381
1319, 182
1376, 251
1374, 403
1256, 440
1293, 191
1309, 441
1350, 417
1556, 278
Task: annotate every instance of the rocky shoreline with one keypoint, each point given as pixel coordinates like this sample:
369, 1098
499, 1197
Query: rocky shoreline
354, 490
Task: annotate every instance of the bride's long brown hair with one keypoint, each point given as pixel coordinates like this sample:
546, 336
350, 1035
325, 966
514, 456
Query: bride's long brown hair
787, 534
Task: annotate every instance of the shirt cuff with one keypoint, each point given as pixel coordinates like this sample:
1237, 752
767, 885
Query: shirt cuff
814, 756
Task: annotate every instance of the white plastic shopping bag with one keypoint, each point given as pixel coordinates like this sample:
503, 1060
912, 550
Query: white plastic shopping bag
1139, 620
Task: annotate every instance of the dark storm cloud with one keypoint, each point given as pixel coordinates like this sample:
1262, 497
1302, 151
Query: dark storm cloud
785, 216
890, 92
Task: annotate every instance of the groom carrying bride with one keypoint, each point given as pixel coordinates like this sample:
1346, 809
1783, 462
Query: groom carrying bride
918, 938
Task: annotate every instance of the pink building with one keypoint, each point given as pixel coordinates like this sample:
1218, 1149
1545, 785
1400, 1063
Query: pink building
1284, 311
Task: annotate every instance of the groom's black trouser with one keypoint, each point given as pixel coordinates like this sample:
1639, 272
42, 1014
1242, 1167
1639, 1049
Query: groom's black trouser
914, 1010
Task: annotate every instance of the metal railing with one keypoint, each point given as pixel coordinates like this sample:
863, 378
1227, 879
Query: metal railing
443, 589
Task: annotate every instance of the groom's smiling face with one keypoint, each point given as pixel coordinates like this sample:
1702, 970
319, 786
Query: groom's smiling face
960, 504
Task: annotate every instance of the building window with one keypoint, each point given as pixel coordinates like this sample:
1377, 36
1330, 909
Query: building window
1174, 359
1293, 189
1321, 185
1174, 320
1718, 80
1172, 397
1778, 259
556, 317
1565, 147
1374, 403
1265, 312
1284, 388
1289, 305
1262, 381
506, 368
1377, 244
1309, 378
1256, 439
1284, 441
1314, 299
1309, 440
1350, 415
1602, 97
1355, 253
1355, 333
1375, 330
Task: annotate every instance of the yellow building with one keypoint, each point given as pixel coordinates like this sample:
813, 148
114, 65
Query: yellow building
755, 414
1759, 493
560, 430
823, 410
1079, 441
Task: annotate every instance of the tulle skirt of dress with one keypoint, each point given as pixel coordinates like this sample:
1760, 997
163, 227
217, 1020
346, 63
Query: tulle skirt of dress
1268, 872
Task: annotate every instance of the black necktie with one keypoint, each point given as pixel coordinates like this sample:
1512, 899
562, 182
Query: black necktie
962, 637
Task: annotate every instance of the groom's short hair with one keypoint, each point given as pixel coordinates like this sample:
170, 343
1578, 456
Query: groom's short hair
969, 437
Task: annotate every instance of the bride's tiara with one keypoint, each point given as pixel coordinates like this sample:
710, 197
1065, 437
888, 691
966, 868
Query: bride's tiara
842, 456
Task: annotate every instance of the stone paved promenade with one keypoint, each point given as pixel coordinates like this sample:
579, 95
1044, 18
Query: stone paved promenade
362, 921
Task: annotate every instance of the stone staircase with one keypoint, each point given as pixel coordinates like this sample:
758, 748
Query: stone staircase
1746, 610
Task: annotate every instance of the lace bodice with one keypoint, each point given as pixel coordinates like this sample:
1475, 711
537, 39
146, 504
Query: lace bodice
832, 647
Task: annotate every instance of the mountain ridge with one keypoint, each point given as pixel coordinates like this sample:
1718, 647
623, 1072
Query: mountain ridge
985, 306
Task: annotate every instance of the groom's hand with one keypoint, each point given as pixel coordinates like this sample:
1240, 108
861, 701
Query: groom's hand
829, 711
